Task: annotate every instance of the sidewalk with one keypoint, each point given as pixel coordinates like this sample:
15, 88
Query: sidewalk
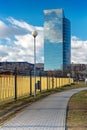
46, 114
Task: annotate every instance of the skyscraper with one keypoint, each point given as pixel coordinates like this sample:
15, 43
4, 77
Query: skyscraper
57, 41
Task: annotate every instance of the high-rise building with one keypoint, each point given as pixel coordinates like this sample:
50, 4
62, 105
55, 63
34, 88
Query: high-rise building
57, 40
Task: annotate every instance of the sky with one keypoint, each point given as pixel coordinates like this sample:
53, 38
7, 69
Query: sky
18, 18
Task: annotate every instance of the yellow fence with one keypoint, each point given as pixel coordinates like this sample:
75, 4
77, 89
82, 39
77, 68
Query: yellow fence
25, 85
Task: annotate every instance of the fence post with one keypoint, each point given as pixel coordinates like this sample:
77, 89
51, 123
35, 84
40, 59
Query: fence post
40, 81
52, 81
30, 83
47, 81
15, 85
59, 81
56, 81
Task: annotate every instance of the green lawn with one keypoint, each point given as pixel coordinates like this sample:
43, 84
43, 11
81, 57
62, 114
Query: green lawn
77, 112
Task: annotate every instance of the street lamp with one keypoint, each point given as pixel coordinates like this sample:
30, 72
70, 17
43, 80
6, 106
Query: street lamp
34, 34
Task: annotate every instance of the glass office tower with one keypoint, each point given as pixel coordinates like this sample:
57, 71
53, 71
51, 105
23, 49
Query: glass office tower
57, 45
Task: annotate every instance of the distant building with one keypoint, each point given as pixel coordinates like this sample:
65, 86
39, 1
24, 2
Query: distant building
39, 69
40, 66
79, 70
57, 40
21, 67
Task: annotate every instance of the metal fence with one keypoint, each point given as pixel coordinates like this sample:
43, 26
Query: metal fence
13, 87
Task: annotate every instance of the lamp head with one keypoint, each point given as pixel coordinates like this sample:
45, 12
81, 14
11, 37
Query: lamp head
34, 33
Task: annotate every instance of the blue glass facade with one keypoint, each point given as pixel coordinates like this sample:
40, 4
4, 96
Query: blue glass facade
56, 40
66, 43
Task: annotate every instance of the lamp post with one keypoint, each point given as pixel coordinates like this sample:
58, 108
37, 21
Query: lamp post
34, 34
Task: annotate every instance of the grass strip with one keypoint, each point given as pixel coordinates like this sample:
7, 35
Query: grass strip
77, 112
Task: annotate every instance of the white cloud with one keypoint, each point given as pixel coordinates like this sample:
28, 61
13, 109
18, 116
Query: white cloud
9, 30
17, 43
53, 33
78, 50
23, 24
53, 27
57, 12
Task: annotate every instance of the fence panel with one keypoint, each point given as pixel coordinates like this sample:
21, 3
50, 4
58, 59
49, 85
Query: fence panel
23, 86
44, 83
24, 83
6, 88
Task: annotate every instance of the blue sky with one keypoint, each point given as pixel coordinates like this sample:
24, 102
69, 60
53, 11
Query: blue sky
18, 18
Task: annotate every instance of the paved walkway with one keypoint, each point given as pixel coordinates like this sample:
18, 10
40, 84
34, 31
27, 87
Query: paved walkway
47, 114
